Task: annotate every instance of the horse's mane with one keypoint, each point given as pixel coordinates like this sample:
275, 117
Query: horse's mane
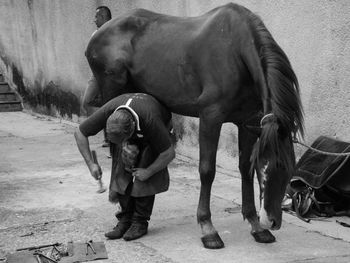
281, 79
284, 95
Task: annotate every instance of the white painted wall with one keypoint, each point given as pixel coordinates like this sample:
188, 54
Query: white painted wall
46, 40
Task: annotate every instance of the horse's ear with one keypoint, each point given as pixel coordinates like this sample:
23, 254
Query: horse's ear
254, 129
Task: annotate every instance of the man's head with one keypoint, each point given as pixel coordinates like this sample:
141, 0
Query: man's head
103, 14
120, 126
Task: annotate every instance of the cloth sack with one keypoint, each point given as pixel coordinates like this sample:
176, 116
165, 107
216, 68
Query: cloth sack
321, 184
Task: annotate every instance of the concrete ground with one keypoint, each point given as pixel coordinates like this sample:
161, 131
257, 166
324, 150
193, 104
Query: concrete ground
47, 195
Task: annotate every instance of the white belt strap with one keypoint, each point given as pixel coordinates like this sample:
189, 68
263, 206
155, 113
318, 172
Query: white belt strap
126, 106
128, 102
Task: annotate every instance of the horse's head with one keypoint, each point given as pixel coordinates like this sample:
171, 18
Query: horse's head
274, 163
273, 182
108, 62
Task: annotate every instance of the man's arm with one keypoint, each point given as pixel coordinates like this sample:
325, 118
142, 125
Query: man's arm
160, 163
84, 148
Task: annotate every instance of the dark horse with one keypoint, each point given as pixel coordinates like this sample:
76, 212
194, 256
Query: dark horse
223, 66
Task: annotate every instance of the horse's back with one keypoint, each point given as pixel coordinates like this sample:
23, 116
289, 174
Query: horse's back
139, 28
172, 58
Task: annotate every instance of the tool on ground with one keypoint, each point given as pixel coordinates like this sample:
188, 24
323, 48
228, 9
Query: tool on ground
85, 251
39, 254
90, 244
342, 223
39, 247
38, 258
101, 187
70, 253
57, 253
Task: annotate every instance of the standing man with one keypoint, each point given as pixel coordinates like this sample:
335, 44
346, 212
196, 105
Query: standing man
137, 126
103, 14
92, 96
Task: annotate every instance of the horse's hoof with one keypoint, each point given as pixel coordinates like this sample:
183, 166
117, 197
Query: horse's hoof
213, 241
264, 236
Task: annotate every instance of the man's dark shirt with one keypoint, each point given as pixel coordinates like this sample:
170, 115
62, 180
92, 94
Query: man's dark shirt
153, 120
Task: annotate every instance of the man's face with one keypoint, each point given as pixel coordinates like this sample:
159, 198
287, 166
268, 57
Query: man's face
99, 18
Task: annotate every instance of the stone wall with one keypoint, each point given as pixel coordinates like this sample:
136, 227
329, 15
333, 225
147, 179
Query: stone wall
42, 46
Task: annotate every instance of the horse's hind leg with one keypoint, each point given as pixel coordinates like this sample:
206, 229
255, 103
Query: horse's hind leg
209, 132
246, 141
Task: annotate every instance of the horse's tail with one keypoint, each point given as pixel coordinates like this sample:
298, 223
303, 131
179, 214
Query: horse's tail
279, 89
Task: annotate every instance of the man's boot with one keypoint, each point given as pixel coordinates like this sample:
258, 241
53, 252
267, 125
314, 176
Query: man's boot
136, 230
118, 231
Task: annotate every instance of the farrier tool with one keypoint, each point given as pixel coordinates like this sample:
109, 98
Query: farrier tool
39, 254
39, 247
101, 188
89, 244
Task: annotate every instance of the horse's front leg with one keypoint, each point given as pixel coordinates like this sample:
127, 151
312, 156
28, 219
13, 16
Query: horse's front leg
209, 132
246, 141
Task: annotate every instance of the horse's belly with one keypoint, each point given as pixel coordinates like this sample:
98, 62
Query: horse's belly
169, 80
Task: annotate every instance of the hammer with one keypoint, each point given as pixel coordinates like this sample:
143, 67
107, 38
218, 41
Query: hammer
101, 188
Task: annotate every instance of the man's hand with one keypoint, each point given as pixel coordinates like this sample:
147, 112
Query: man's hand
161, 162
84, 148
141, 174
95, 171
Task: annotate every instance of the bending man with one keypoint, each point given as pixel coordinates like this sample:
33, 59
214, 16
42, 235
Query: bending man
138, 127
